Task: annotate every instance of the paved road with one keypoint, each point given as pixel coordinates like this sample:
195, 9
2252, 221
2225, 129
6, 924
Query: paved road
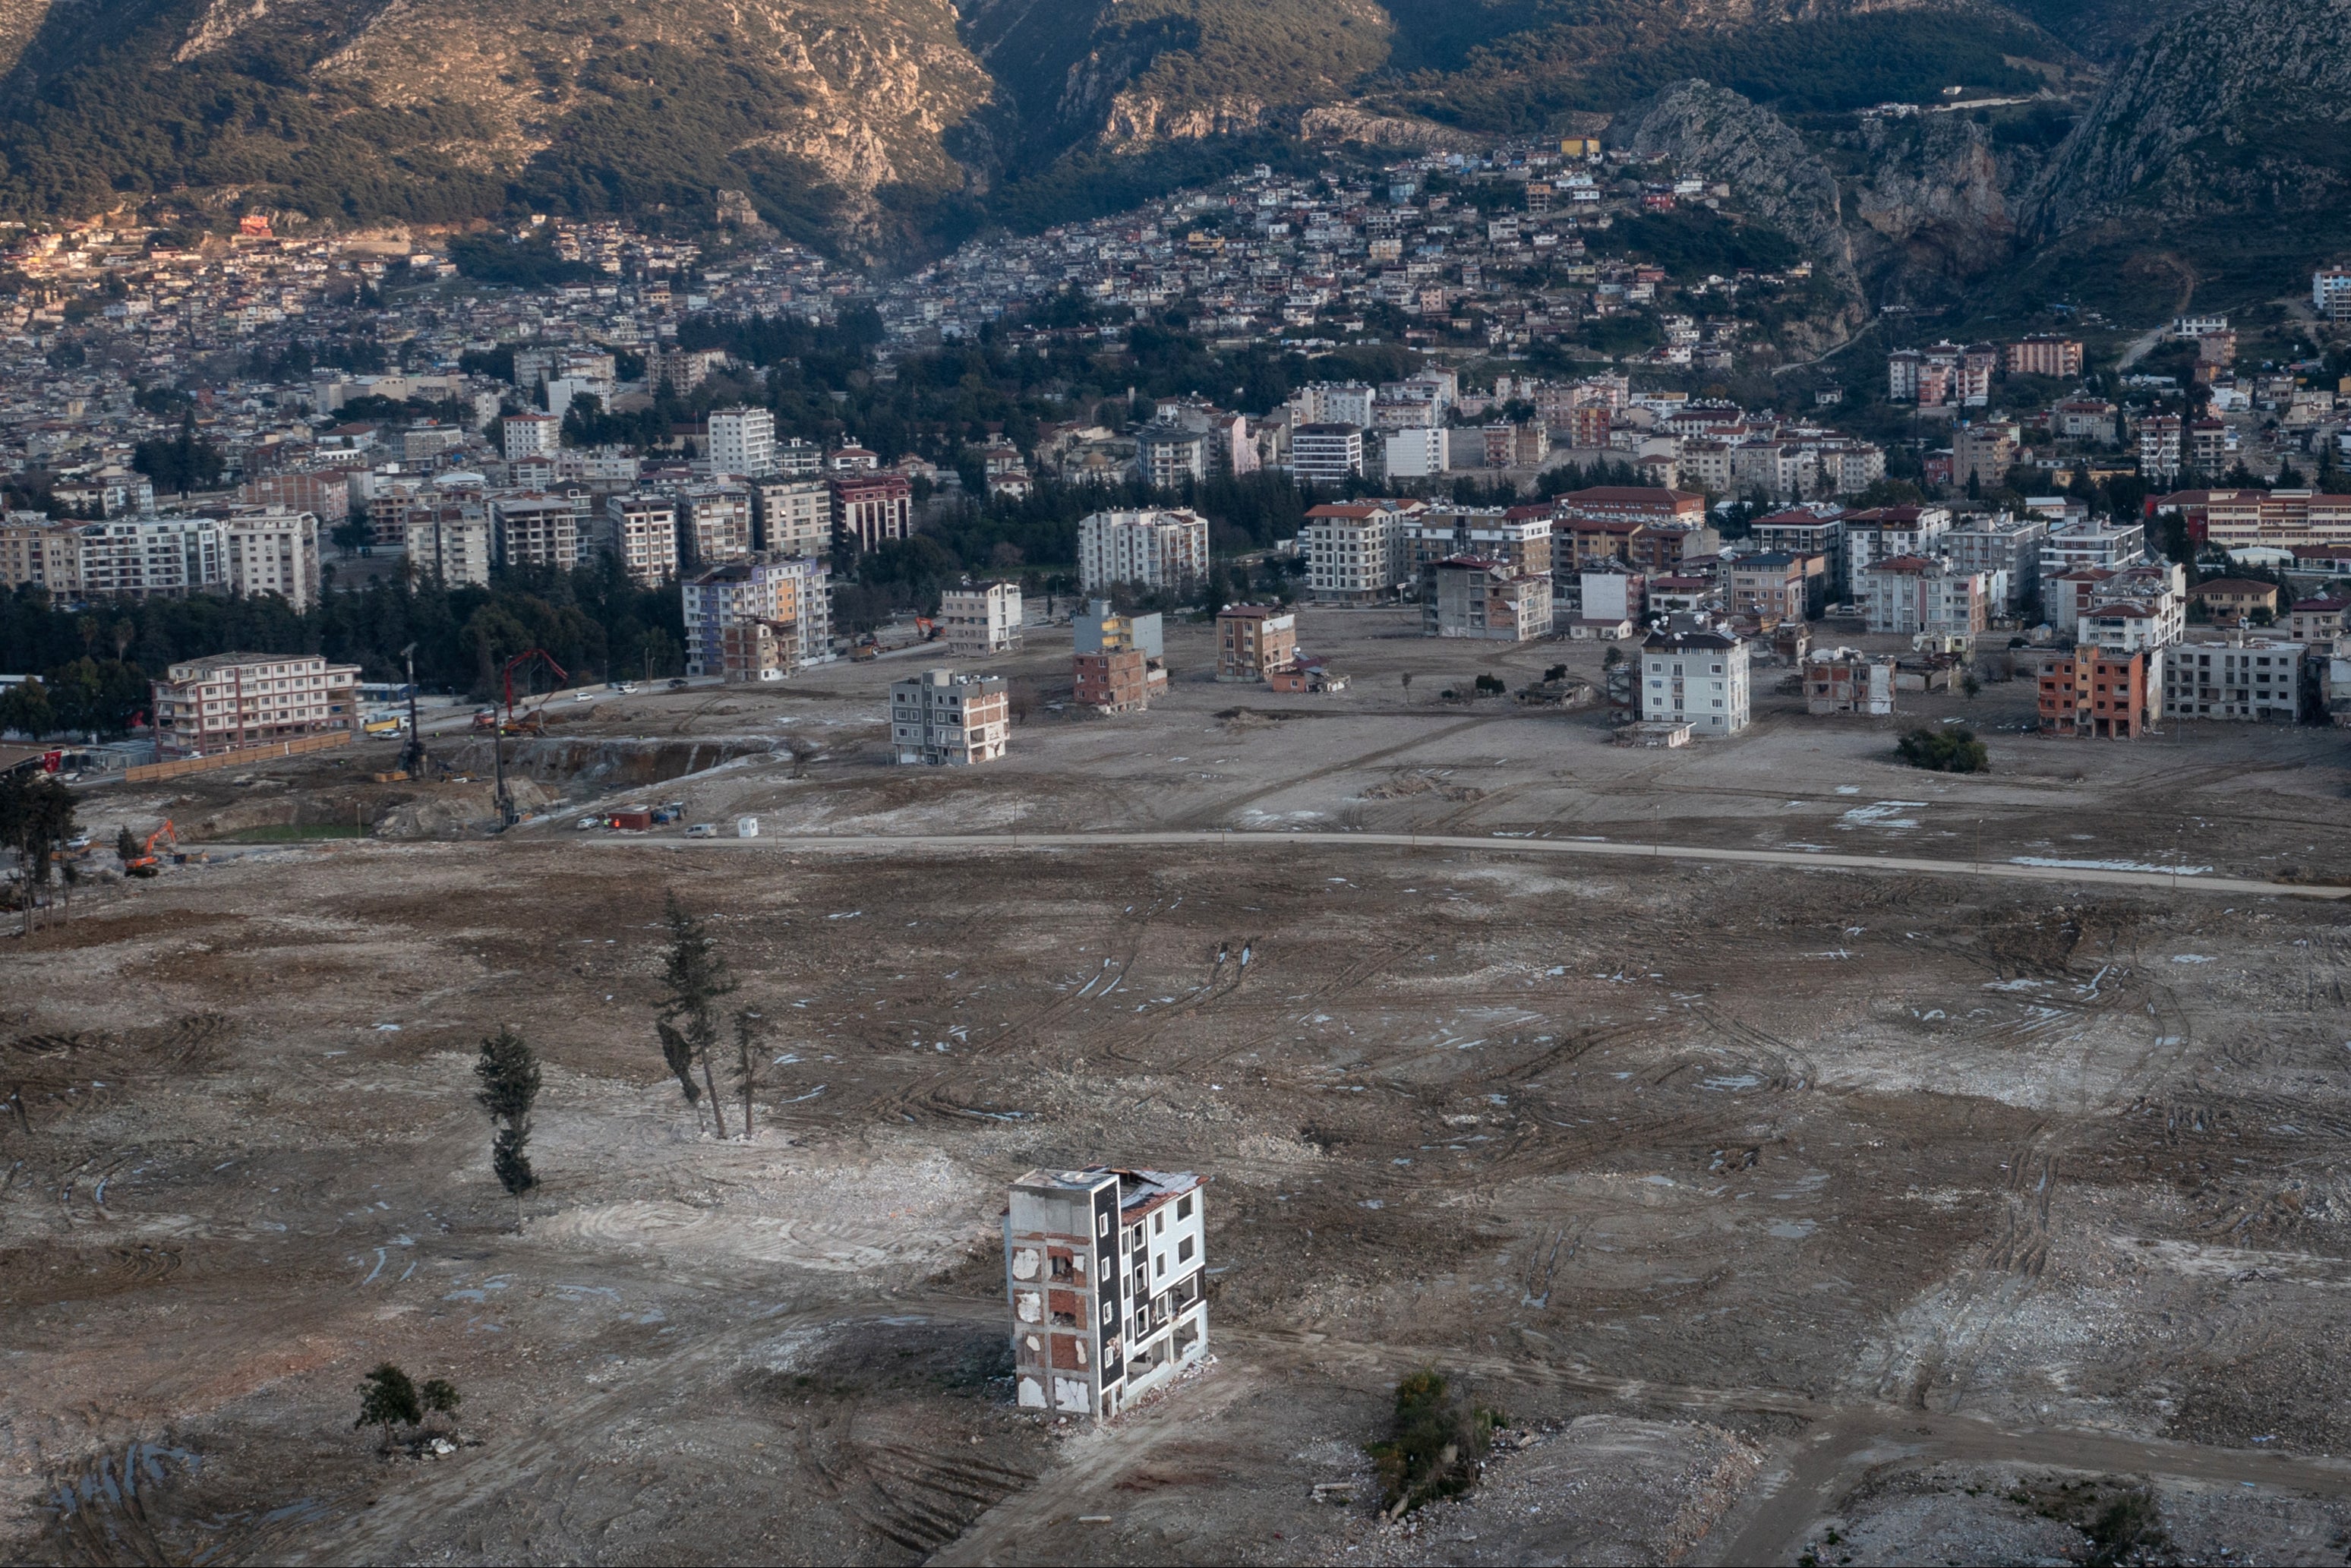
2239, 887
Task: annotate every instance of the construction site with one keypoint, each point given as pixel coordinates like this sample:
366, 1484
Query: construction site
1809, 1157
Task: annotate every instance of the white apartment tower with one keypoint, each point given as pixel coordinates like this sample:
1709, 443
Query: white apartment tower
742, 442
640, 532
1105, 1273
273, 552
531, 435
1153, 549
1697, 678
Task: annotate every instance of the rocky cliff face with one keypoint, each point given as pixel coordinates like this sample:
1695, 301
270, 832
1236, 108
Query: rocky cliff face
2241, 105
1703, 127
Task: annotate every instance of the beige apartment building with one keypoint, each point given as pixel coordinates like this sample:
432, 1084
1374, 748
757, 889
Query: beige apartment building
794, 515
981, 620
233, 700
942, 718
1253, 640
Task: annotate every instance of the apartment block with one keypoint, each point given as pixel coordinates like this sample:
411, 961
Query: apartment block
2245, 679
2000, 544
794, 515
1518, 539
1166, 550
756, 651
1912, 595
454, 545
272, 552
2045, 354
713, 522
1357, 552
1485, 601
1120, 662
1803, 532
231, 700
742, 442
1105, 1276
871, 509
1777, 585
639, 531
1253, 640
44, 554
541, 530
788, 594
1698, 678
981, 620
1168, 456
1844, 680
942, 718
2101, 691
1326, 454
150, 558
530, 435
1878, 532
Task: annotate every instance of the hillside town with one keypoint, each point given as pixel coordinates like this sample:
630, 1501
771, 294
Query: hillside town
300, 416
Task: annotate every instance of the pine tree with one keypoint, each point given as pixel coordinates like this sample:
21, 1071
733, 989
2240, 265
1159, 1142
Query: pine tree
508, 1072
696, 976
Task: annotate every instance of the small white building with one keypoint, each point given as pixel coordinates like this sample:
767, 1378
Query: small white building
1698, 678
982, 619
1105, 1273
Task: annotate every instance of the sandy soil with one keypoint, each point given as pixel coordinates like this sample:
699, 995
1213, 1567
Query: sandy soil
1770, 1202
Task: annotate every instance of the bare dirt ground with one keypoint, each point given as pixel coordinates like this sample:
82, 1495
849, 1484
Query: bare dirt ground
1928, 1213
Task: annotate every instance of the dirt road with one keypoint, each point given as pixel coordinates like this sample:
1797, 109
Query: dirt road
2061, 872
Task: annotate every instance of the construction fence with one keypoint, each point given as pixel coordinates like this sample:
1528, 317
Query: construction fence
241, 754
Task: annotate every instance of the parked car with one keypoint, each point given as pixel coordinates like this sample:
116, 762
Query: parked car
703, 831
677, 683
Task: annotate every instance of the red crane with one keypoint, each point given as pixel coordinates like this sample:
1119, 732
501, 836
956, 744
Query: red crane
523, 661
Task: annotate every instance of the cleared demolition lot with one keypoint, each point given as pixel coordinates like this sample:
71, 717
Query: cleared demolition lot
1893, 1217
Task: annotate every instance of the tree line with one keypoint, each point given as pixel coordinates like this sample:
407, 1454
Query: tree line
94, 665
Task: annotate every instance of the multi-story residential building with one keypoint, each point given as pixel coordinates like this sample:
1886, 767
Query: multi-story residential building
942, 718
324, 493
2330, 293
1105, 1273
1518, 539
232, 700
1488, 601
1982, 452
2247, 679
742, 442
2003, 544
1845, 680
2227, 599
1162, 550
47, 555
2320, 622
713, 522
2045, 354
1330, 403
1698, 678
2108, 545
639, 531
1168, 456
753, 652
2135, 607
530, 435
870, 509
1802, 532
981, 620
1120, 659
794, 515
2101, 691
454, 545
150, 558
1879, 532
2160, 446
272, 552
1633, 504
2272, 520
536, 528
1902, 368
2209, 445
1254, 641
792, 595
1326, 454
1609, 599
2085, 419
1912, 595
1778, 586
687, 368
797, 459
1418, 452
1357, 552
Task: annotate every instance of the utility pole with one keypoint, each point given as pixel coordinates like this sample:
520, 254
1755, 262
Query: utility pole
412, 761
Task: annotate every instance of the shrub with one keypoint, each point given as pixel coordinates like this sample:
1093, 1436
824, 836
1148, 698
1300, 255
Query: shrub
1437, 1447
1954, 750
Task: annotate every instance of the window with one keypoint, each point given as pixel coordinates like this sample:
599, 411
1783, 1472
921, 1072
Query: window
1183, 1251
1184, 1208
1159, 1223
1159, 1267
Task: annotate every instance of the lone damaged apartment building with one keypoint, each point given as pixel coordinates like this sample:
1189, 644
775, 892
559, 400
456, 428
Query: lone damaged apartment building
1104, 1272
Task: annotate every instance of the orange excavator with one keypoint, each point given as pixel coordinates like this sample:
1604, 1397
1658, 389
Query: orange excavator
147, 862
